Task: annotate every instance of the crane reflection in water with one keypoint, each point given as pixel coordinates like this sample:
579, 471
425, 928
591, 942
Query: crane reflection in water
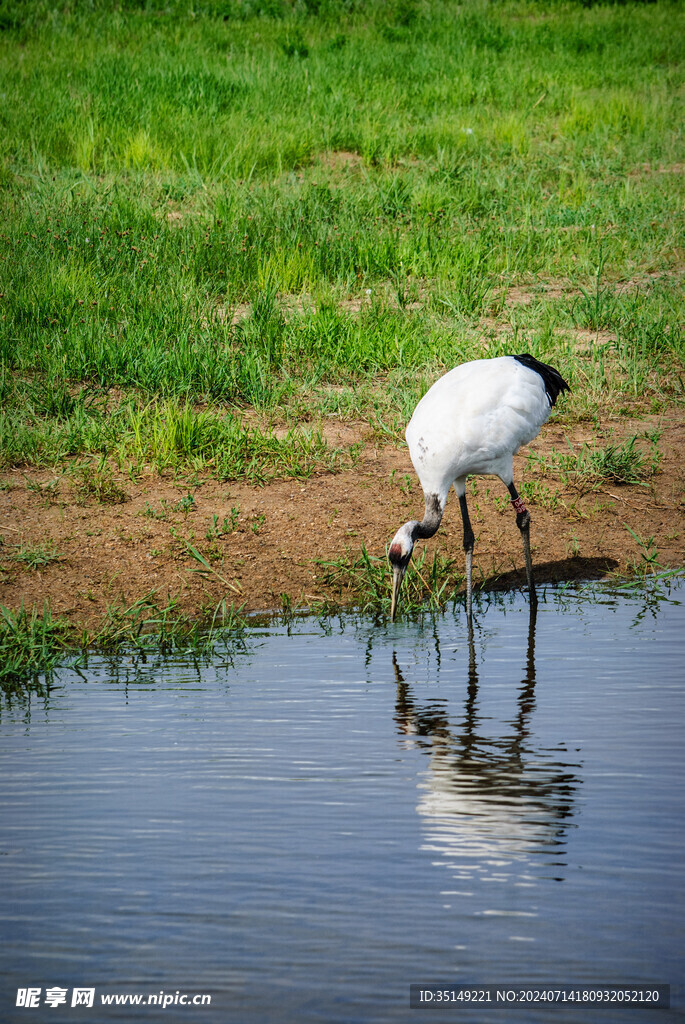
492, 798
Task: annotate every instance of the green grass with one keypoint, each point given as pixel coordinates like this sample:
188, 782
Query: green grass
633, 461
34, 644
223, 528
172, 233
31, 645
167, 435
97, 482
147, 624
37, 556
367, 580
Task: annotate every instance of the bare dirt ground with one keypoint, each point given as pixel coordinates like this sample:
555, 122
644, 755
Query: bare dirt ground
269, 545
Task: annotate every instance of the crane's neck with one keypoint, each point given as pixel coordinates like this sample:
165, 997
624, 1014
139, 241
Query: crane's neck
431, 518
403, 542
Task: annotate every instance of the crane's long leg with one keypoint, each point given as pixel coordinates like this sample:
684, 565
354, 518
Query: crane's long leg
468, 548
523, 523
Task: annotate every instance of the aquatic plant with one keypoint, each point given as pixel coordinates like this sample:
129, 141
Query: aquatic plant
34, 644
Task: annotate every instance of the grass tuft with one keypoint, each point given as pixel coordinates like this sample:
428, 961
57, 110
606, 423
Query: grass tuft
37, 556
32, 644
368, 579
626, 462
97, 482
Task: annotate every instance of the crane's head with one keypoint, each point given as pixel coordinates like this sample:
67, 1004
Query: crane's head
398, 556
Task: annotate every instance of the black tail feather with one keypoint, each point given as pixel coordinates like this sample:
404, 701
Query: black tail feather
554, 382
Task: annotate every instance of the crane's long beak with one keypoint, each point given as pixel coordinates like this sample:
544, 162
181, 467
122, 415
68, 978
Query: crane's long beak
397, 577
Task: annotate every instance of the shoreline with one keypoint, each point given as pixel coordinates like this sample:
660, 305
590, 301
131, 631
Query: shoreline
294, 543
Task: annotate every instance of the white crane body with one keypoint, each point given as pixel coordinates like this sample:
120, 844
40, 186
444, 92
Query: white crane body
473, 421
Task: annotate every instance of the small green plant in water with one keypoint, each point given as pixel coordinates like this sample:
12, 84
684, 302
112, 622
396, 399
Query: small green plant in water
32, 643
147, 625
645, 573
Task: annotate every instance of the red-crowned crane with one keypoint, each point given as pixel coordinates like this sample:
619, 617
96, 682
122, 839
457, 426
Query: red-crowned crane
473, 421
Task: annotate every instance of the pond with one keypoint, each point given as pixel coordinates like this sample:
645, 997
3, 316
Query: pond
336, 810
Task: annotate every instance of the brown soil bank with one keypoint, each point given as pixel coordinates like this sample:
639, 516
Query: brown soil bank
263, 544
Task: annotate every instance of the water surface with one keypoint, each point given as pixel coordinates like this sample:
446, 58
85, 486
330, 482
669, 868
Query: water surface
340, 809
